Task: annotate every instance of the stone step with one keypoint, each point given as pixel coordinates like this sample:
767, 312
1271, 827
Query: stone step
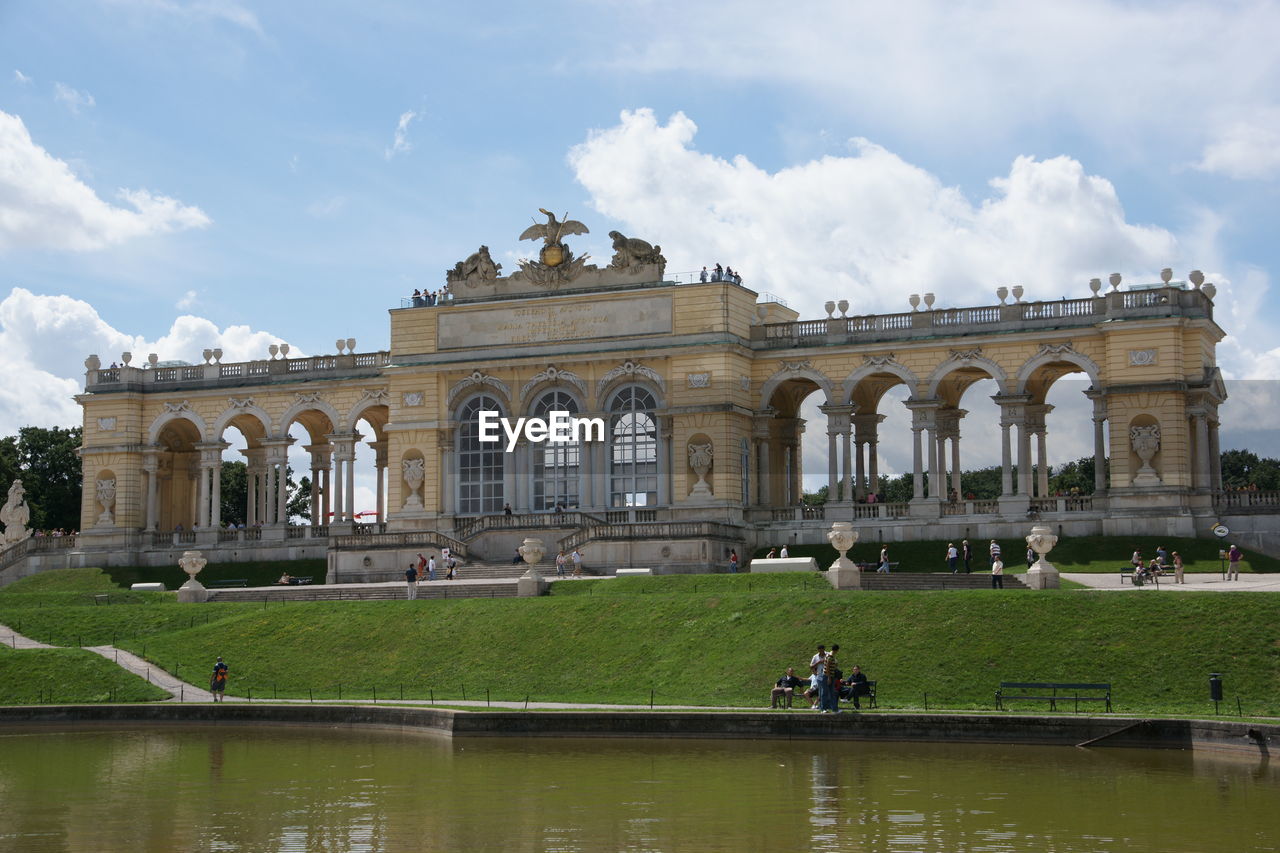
934, 581
369, 592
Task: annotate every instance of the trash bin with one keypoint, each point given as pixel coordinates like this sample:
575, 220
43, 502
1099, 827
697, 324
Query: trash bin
1215, 687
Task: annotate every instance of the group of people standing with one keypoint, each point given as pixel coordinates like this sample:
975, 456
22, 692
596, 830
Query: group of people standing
720, 274
425, 570
429, 298
826, 685
1142, 570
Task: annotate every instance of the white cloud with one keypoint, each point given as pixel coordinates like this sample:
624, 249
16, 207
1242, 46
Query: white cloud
199, 11
869, 227
327, 207
1127, 75
43, 205
401, 143
1247, 149
42, 371
20, 77
73, 98
187, 301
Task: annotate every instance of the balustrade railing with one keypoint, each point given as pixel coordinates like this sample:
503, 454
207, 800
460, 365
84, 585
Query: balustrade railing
657, 530
239, 371
1258, 500
949, 320
402, 539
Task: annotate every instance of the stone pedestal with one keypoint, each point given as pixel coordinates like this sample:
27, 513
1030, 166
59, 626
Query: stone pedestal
844, 577
1042, 575
531, 584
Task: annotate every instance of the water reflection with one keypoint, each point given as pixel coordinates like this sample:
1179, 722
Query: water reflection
287, 789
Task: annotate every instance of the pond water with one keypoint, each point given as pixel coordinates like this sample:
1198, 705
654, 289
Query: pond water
315, 789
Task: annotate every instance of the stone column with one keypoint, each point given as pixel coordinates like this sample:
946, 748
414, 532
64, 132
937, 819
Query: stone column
955, 466
761, 432
1024, 459
873, 452
1006, 459
1042, 464
1215, 456
268, 494
203, 513
1099, 441
380, 467
935, 475
859, 490
350, 490
195, 480
151, 466
215, 494
1200, 420
344, 454
917, 461
1013, 413
837, 437
444, 438
846, 474
666, 460
1035, 416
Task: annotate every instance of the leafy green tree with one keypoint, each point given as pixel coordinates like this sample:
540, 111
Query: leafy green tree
235, 492
982, 483
8, 463
1242, 468
49, 466
300, 499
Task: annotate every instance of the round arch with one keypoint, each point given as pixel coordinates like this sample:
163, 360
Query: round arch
234, 414
782, 377
1047, 358
185, 414
970, 363
300, 408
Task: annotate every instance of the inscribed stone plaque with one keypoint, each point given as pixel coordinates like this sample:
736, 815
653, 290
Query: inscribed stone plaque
532, 324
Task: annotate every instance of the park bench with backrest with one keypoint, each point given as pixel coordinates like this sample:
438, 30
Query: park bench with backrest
867, 693
1053, 692
1127, 573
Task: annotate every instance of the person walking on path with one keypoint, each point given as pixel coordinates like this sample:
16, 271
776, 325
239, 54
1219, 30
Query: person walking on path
966, 554
218, 683
997, 574
560, 560
1233, 563
884, 561
576, 556
953, 556
431, 568
1177, 568
411, 578
733, 561
995, 551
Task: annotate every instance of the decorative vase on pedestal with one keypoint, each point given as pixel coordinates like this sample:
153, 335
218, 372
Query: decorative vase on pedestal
1145, 441
414, 473
192, 591
844, 573
106, 497
1042, 574
531, 582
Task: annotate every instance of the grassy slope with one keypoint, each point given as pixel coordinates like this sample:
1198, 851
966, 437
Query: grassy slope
30, 676
1077, 554
257, 572
715, 640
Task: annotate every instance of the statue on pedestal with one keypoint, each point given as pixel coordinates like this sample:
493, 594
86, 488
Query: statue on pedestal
15, 515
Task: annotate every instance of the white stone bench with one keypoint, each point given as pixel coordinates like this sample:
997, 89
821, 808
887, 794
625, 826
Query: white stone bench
790, 564
622, 573
148, 587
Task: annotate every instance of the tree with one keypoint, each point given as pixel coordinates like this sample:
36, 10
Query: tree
235, 492
8, 463
49, 465
300, 500
1241, 468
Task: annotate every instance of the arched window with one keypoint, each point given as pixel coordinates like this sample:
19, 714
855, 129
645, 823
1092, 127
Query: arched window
633, 449
556, 466
481, 466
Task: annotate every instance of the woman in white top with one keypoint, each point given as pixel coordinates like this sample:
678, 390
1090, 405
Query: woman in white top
997, 574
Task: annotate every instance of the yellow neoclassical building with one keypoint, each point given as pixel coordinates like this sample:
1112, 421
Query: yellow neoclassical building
695, 388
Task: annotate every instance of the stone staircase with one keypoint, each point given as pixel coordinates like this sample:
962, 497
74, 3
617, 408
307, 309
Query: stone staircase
920, 581
479, 588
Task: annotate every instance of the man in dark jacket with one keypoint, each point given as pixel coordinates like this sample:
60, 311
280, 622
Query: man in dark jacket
856, 685
786, 687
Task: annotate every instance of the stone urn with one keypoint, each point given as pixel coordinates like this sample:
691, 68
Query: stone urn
531, 583
700, 458
1017, 292
192, 591
414, 471
914, 299
1002, 293
1145, 441
106, 494
830, 308
843, 573
843, 305
1042, 574
1095, 284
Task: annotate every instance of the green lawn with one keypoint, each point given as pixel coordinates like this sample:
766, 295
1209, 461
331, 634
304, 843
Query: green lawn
1073, 554
715, 640
33, 676
257, 572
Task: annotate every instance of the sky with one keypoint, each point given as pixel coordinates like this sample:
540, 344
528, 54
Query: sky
183, 174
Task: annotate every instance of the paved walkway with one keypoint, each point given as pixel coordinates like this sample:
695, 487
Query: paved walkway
1197, 582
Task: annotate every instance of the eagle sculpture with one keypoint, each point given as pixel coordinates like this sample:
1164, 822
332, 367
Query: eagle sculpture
553, 230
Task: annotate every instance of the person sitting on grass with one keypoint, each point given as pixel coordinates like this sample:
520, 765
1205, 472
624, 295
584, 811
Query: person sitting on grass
285, 579
785, 688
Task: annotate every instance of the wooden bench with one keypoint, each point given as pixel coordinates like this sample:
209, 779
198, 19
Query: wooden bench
870, 695
229, 582
1053, 692
1127, 572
